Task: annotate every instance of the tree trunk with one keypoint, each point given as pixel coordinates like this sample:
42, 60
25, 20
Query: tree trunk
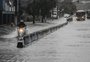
33, 19
43, 17
16, 20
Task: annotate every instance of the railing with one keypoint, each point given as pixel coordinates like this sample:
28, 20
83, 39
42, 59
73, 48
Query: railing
39, 34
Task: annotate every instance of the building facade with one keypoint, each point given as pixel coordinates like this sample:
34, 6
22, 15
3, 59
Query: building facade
7, 10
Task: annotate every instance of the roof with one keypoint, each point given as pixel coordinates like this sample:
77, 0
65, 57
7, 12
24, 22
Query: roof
80, 11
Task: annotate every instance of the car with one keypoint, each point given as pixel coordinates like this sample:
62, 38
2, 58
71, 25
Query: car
88, 14
70, 18
66, 15
20, 44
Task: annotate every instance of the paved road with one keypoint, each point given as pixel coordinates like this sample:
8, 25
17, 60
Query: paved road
69, 44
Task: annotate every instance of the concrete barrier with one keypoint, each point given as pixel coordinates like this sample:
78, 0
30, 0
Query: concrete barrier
39, 34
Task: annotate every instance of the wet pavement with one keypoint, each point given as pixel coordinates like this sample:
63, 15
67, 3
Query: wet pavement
68, 44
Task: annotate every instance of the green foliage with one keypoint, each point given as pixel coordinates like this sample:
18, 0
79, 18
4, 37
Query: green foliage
68, 7
33, 8
46, 6
40, 7
37, 7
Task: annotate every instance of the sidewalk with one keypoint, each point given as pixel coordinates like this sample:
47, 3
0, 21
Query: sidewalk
37, 27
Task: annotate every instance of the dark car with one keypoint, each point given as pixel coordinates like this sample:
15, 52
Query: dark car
70, 18
88, 14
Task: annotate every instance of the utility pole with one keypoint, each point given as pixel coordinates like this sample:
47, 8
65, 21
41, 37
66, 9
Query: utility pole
19, 14
16, 6
17, 11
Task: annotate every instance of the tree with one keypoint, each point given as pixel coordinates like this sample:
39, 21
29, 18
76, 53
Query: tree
68, 7
33, 9
46, 6
40, 7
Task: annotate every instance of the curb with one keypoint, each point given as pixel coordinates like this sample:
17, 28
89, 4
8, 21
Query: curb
28, 39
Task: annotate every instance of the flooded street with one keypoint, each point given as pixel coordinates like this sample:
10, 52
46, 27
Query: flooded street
69, 44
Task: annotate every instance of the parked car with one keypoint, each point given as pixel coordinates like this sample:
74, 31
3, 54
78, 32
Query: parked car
70, 18
88, 14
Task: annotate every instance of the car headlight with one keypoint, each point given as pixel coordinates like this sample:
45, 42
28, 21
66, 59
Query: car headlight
82, 17
21, 30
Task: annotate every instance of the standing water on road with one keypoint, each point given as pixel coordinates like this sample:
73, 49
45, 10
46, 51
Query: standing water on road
69, 44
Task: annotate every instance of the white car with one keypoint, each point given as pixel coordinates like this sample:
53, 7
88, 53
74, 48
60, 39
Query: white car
66, 15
